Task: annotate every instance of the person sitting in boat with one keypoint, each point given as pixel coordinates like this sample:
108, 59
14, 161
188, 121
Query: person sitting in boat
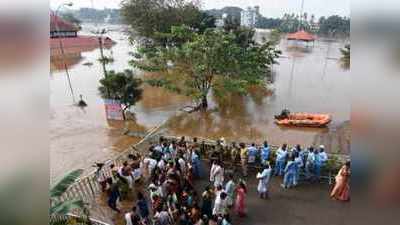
284, 115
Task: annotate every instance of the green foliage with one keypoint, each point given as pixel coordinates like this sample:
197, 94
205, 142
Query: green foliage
122, 86
268, 23
232, 12
61, 186
290, 23
345, 55
333, 164
71, 18
106, 60
224, 61
334, 26
231, 23
204, 22
149, 18
275, 36
61, 208
162, 82
97, 15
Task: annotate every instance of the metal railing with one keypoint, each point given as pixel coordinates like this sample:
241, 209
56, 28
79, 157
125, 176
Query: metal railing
74, 219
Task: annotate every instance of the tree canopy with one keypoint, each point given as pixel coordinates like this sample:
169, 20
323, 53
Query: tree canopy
149, 18
215, 60
334, 26
121, 86
71, 18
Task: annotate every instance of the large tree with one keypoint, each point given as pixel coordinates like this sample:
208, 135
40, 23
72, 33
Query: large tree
121, 86
213, 60
334, 26
149, 18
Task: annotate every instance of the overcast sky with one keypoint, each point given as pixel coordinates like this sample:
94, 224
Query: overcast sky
268, 8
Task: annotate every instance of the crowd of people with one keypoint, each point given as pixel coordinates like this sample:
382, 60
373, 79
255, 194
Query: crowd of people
163, 180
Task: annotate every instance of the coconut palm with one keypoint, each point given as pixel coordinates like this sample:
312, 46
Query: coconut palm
60, 208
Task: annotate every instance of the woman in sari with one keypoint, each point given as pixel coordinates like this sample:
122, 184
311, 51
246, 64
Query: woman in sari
240, 207
341, 191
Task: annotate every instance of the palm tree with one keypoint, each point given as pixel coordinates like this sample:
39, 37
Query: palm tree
59, 208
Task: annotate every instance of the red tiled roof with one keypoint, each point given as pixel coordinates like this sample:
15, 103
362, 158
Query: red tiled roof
58, 24
301, 36
79, 42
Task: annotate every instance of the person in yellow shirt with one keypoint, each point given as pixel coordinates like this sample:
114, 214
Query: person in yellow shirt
243, 158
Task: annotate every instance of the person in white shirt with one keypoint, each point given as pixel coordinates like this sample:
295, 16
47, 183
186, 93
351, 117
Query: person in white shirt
281, 155
131, 217
217, 174
263, 180
162, 217
213, 165
310, 163
125, 172
220, 205
161, 164
299, 162
322, 154
182, 165
148, 164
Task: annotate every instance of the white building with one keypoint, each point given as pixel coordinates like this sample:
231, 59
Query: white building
248, 17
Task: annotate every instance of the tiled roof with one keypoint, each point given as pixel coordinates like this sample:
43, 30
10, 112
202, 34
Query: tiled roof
58, 24
301, 36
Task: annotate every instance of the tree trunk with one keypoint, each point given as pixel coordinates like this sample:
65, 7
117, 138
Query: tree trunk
204, 103
123, 113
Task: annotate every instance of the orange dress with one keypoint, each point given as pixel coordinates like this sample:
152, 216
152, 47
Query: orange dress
341, 191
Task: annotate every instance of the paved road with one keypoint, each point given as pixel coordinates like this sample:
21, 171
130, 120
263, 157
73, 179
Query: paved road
307, 204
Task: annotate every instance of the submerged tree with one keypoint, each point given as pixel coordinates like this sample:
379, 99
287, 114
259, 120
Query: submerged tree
345, 56
213, 60
121, 86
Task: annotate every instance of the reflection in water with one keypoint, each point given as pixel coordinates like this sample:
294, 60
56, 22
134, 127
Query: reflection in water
70, 59
299, 86
78, 138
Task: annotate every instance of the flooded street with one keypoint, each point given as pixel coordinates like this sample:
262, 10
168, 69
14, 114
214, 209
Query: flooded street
305, 81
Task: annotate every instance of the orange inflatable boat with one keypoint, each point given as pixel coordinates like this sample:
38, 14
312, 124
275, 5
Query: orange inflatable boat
304, 119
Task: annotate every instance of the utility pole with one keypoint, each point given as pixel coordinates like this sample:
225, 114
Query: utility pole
62, 48
301, 14
103, 62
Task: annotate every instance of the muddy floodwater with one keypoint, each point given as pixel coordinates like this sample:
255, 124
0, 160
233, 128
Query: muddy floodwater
307, 79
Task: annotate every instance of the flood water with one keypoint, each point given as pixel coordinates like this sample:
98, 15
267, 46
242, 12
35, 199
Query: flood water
306, 80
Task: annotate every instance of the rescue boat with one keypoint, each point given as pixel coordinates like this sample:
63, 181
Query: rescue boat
303, 119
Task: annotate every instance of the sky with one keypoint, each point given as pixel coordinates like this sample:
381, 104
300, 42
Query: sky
268, 8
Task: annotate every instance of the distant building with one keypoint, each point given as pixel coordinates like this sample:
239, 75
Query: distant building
314, 27
248, 17
61, 28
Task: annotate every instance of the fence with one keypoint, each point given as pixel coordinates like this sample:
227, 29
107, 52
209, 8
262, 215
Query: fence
74, 219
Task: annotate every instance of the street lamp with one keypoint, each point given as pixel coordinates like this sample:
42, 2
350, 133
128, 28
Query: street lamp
69, 4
